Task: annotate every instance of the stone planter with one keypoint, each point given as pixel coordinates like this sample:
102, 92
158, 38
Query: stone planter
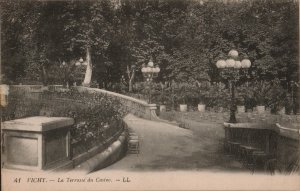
249, 110
220, 109
37, 143
183, 107
162, 108
282, 111
201, 107
241, 109
260, 109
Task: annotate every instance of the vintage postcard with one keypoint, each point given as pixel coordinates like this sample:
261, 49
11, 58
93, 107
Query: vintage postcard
150, 95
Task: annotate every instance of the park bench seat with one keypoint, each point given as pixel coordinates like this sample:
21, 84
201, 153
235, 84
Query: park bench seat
233, 147
246, 153
133, 146
261, 159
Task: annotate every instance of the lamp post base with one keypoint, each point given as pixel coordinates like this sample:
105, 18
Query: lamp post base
232, 119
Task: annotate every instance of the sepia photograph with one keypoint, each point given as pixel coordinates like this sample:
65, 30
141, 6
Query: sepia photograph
149, 95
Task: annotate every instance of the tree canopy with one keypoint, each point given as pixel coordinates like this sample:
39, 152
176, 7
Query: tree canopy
185, 38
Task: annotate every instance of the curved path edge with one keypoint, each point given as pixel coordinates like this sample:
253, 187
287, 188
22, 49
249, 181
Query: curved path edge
103, 159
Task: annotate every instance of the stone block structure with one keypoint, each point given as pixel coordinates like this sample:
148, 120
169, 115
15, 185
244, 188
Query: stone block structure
37, 143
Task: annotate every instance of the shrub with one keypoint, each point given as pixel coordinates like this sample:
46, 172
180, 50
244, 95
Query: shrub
202, 89
97, 116
218, 96
268, 93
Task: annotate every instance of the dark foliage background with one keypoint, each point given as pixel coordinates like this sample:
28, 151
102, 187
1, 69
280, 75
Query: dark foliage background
185, 38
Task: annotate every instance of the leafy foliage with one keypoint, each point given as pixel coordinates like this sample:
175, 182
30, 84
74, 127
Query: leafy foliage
185, 38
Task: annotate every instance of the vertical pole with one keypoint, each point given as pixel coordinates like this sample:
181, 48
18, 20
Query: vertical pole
149, 92
232, 107
150, 83
292, 95
172, 93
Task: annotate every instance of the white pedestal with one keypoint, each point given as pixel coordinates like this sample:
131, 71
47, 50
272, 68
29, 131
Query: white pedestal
37, 143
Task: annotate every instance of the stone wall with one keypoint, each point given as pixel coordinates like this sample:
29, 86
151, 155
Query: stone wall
278, 142
137, 107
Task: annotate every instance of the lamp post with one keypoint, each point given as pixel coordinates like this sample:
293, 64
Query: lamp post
149, 72
230, 71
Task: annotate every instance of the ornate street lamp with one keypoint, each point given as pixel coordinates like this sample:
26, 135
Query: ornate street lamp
231, 69
149, 72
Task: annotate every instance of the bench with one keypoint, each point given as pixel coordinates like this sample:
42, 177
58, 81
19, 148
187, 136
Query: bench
263, 160
246, 152
133, 146
232, 147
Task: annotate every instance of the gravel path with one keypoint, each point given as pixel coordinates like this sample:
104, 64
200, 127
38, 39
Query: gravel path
167, 147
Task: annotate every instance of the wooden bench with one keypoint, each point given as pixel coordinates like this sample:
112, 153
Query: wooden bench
246, 152
263, 160
133, 146
232, 147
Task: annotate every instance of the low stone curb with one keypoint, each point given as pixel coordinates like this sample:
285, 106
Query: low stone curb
95, 150
105, 158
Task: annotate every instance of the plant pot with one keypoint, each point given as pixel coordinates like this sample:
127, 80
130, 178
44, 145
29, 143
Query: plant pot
282, 111
268, 110
220, 109
162, 108
201, 107
261, 109
241, 109
183, 107
249, 110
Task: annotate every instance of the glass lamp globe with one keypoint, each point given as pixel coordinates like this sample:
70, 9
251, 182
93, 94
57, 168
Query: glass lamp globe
143, 69
230, 63
233, 53
246, 63
157, 69
238, 64
150, 63
221, 64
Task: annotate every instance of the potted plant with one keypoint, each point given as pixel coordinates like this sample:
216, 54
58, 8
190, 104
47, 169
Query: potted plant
182, 97
261, 93
241, 104
201, 107
172, 91
245, 98
217, 97
260, 105
278, 98
163, 97
202, 91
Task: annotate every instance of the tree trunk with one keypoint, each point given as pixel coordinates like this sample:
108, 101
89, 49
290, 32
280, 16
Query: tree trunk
130, 86
88, 72
131, 75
